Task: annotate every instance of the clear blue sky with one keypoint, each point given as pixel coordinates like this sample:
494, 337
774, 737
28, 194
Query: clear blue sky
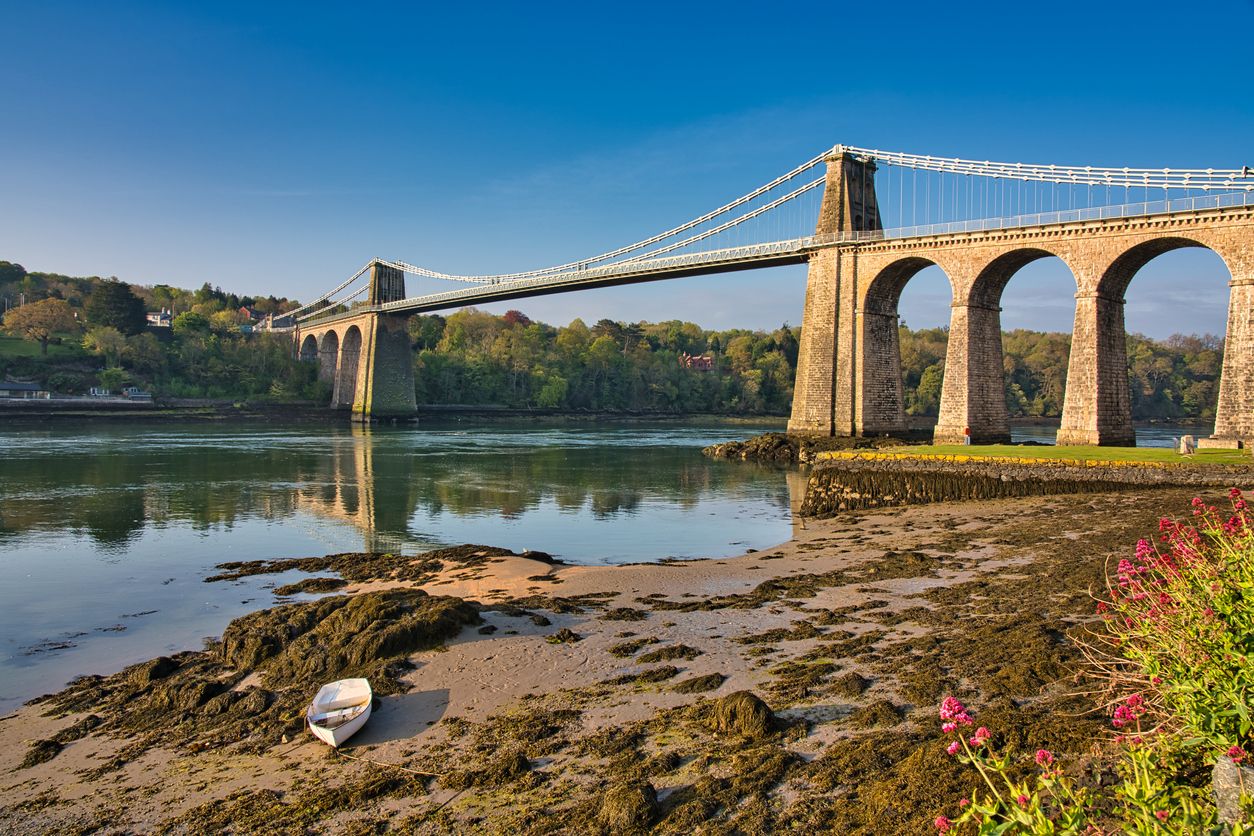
275, 147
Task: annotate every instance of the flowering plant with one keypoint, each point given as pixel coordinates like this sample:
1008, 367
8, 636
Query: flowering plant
1176, 662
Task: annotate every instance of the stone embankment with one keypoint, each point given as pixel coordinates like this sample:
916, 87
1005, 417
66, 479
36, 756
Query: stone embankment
849, 481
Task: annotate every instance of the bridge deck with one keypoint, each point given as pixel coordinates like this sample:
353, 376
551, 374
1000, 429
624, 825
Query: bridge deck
774, 254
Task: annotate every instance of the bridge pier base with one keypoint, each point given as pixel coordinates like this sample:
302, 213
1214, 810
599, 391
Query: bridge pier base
1234, 415
973, 395
1096, 408
385, 378
880, 390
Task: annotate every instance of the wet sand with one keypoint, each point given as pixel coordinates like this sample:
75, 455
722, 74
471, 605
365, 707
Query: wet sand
852, 632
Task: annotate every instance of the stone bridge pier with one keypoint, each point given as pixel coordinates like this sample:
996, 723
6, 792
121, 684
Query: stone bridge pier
366, 357
849, 366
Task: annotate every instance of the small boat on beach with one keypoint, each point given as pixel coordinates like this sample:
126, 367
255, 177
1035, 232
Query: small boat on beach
339, 710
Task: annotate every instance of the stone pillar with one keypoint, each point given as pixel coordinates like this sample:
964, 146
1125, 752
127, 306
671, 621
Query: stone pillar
849, 205
812, 396
1234, 417
881, 405
385, 382
973, 394
348, 368
328, 357
1097, 408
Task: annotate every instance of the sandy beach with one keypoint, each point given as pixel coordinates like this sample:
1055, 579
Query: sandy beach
578, 692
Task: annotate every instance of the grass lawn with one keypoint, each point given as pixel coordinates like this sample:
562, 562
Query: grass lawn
18, 347
1105, 454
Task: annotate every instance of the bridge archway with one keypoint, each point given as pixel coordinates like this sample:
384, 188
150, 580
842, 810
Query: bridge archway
882, 408
1099, 408
328, 356
975, 392
309, 349
350, 359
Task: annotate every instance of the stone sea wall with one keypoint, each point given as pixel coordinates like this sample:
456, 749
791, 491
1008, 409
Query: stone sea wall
849, 481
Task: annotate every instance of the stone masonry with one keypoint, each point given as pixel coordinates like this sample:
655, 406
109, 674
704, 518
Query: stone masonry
367, 357
849, 368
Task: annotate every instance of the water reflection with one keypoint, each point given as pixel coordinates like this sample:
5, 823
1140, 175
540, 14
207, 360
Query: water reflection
392, 486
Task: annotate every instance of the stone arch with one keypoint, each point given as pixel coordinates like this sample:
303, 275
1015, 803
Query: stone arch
1098, 407
328, 356
882, 407
990, 283
1115, 279
350, 360
973, 398
309, 349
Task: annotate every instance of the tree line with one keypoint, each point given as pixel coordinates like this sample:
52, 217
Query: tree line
476, 358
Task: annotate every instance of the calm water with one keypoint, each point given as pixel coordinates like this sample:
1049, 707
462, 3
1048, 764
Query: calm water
106, 533
1147, 435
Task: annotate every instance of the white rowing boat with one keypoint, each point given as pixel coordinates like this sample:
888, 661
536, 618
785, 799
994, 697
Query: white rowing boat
339, 710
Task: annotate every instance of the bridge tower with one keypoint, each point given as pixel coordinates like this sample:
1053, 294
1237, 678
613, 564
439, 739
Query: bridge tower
367, 357
823, 396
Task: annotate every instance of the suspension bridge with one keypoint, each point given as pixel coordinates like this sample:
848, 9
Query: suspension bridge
866, 221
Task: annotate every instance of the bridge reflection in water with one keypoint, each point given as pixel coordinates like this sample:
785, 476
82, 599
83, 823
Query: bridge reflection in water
604, 494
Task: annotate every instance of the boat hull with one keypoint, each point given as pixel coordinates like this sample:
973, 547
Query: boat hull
339, 710
336, 736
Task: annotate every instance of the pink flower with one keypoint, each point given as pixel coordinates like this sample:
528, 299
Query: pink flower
948, 727
1237, 754
1044, 757
1022, 799
963, 802
981, 736
954, 748
1162, 814
942, 824
955, 711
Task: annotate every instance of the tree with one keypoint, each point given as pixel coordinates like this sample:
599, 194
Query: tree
190, 321
10, 272
38, 321
105, 341
112, 304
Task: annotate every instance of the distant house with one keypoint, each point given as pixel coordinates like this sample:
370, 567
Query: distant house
12, 390
160, 319
252, 313
99, 392
134, 393
700, 363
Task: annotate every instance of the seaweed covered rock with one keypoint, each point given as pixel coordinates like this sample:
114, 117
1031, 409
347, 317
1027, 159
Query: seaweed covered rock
364, 630
196, 699
628, 807
785, 448
40, 751
146, 672
743, 713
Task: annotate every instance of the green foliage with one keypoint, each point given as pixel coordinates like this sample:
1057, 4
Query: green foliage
1180, 621
190, 322
474, 357
112, 304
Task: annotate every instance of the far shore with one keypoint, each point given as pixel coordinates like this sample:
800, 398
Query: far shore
17, 411
571, 683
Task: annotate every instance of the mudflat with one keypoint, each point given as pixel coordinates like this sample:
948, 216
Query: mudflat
521, 696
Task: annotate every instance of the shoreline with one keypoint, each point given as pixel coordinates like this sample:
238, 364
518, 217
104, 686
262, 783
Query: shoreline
850, 631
